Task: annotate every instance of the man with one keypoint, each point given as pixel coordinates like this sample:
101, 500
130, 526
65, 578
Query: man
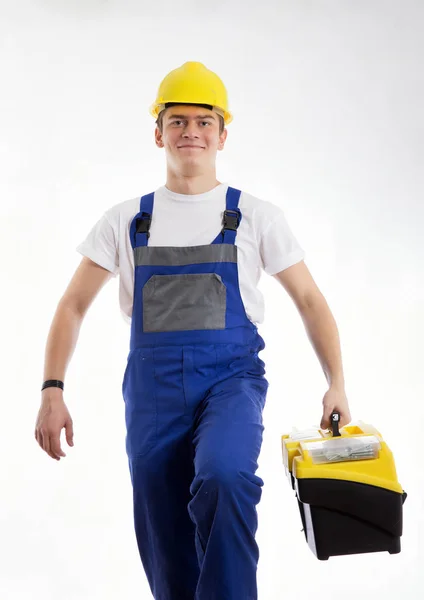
194, 385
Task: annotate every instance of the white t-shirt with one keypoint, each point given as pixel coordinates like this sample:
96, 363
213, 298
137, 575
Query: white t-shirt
264, 239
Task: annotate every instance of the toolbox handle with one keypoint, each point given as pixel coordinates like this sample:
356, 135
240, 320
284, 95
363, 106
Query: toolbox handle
335, 420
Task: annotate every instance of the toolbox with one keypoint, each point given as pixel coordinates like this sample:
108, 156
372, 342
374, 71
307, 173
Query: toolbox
346, 486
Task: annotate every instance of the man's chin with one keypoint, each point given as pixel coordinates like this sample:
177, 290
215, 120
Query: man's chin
191, 161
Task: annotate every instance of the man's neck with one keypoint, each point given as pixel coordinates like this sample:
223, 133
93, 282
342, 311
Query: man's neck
191, 185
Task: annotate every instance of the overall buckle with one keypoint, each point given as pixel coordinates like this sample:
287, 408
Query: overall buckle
143, 223
230, 220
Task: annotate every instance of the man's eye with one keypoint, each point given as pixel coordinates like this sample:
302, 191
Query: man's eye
179, 121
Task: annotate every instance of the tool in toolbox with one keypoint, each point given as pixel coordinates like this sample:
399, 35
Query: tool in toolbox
345, 480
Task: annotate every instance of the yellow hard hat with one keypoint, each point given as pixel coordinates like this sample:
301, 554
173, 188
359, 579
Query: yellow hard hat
193, 83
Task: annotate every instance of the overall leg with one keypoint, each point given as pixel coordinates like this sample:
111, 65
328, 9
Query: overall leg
227, 439
164, 531
160, 451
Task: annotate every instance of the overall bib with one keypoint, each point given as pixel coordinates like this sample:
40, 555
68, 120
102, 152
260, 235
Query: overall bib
194, 391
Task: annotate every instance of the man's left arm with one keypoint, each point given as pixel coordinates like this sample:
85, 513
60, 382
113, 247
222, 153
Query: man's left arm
323, 334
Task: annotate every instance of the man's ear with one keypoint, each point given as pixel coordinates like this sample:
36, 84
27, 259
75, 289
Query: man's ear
158, 138
222, 139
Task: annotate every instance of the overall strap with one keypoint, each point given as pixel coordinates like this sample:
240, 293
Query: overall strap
140, 225
231, 218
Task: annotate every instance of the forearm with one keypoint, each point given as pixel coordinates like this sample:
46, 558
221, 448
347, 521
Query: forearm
323, 334
61, 342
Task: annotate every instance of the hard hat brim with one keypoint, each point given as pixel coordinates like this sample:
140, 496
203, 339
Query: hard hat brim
156, 109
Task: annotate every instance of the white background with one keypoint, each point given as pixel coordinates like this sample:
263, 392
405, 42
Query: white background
328, 123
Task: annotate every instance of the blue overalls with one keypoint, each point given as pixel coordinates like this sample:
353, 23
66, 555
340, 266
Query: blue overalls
194, 392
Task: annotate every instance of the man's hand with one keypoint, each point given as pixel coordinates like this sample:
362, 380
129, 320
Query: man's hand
52, 416
335, 399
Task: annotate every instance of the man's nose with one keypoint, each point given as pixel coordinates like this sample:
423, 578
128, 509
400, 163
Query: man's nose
191, 129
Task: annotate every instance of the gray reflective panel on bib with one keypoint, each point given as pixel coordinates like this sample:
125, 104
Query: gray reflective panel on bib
184, 302
184, 255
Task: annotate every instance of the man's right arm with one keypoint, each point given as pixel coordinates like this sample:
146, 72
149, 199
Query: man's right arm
88, 280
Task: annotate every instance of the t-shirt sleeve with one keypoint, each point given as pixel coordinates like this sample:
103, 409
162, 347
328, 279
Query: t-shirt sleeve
279, 248
101, 245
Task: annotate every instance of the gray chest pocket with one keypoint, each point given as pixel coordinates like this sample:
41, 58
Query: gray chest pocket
184, 302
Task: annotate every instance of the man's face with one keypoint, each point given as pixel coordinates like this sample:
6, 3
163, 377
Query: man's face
191, 138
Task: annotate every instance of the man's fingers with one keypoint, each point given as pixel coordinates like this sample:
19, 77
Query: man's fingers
69, 432
345, 418
46, 444
325, 421
55, 445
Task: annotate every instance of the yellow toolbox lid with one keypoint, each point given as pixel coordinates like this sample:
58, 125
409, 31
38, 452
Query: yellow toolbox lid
359, 455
